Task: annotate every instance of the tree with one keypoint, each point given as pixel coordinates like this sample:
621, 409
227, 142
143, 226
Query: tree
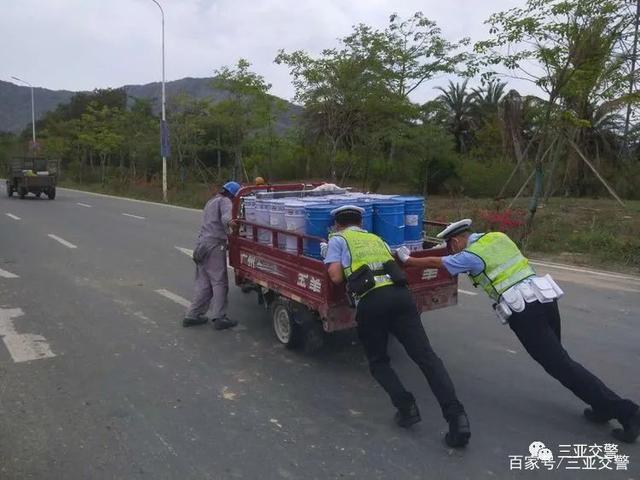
241, 111
459, 103
566, 41
404, 56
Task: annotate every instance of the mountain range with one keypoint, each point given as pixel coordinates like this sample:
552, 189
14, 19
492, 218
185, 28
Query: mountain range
15, 100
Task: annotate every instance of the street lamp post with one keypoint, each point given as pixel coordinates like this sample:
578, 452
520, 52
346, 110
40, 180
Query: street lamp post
33, 112
163, 126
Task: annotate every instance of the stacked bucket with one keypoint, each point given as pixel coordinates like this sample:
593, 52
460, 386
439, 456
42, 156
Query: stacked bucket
398, 220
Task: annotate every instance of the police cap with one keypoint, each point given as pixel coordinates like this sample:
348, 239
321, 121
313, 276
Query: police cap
455, 228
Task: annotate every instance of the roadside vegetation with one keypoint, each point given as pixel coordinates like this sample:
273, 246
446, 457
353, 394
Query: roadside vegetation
576, 140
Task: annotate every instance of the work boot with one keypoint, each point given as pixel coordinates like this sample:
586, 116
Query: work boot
459, 431
630, 431
191, 321
595, 417
223, 323
407, 416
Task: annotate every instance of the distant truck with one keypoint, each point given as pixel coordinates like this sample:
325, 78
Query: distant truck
32, 175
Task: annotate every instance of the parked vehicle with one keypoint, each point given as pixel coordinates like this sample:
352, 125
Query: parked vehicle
303, 302
32, 175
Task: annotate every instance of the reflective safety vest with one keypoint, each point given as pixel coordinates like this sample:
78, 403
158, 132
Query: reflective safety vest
366, 249
504, 264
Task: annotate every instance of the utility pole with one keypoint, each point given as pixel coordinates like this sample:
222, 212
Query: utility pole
33, 114
164, 133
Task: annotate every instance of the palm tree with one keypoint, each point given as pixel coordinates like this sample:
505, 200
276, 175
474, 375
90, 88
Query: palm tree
489, 98
458, 101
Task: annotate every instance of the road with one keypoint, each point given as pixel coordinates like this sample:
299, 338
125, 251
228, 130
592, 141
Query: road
99, 380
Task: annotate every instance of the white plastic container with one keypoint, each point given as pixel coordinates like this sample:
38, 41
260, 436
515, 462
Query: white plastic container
294, 219
249, 214
276, 219
263, 214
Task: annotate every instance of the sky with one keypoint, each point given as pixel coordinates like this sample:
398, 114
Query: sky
87, 44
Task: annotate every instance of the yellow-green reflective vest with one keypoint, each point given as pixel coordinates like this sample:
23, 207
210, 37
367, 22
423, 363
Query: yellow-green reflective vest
504, 264
366, 249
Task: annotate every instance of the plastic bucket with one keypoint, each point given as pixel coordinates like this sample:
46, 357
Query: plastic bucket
263, 217
249, 214
276, 219
367, 217
388, 222
318, 221
413, 218
295, 221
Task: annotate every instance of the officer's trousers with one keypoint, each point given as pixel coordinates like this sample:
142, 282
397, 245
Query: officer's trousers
538, 329
391, 310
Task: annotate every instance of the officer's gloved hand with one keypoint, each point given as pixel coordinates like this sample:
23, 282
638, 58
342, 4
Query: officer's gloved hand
324, 246
403, 254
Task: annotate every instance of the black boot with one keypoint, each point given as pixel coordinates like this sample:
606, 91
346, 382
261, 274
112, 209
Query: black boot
459, 431
407, 416
191, 321
595, 417
223, 323
630, 431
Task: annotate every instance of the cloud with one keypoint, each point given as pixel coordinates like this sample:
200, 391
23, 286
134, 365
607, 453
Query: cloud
85, 44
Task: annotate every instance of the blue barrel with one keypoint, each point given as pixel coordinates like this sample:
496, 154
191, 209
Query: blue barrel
367, 217
413, 218
388, 221
318, 220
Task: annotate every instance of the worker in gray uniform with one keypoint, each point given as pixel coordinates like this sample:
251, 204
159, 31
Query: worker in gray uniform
210, 256
529, 304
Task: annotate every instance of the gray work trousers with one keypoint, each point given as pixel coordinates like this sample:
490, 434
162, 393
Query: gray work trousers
212, 285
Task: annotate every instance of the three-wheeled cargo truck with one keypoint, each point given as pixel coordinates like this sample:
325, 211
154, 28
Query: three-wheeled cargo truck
303, 302
32, 175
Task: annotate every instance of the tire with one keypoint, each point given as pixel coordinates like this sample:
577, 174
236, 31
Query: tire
296, 327
9, 189
286, 330
51, 193
22, 192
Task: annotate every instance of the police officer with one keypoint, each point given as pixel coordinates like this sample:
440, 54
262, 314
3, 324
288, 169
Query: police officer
385, 306
529, 304
210, 256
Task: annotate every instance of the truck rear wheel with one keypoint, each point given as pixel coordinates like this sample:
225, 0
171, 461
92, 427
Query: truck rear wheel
51, 193
9, 189
22, 191
296, 327
287, 331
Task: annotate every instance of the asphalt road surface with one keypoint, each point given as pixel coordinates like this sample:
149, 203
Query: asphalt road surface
99, 380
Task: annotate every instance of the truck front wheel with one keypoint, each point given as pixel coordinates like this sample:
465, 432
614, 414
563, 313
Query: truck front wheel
9, 189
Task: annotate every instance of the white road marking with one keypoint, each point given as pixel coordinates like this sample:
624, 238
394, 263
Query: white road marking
513, 352
5, 274
62, 241
146, 202
15, 217
583, 270
467, 292
83, 205
173, 297
133, 216
186, 251
23, 347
